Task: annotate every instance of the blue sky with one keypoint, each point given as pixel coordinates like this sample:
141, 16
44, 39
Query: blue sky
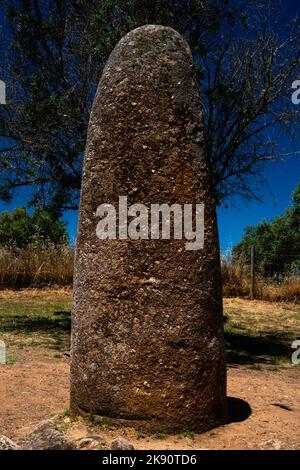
281, 177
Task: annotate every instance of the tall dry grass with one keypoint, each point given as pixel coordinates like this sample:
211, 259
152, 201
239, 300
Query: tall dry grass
36, 266
51, 266
287, 290
236, 283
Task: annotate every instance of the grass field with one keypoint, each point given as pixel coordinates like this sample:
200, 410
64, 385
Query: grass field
35, 319
258, 333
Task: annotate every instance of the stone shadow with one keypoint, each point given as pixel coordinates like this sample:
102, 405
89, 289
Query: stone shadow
238, 410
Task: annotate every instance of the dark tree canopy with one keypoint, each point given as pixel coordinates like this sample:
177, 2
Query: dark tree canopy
246, 62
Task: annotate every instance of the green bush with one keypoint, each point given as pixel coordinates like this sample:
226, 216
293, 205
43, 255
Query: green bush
19, 229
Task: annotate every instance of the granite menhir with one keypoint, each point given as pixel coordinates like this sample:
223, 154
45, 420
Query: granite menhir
147, 331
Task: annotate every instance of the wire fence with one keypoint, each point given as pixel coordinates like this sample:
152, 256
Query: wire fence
253, 276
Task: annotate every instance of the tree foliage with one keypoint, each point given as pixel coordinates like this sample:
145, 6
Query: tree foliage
276, 242
19, 229
245, 60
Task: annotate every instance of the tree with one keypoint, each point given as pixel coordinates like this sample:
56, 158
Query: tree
18, 229
15, 228
245, 69
276, 243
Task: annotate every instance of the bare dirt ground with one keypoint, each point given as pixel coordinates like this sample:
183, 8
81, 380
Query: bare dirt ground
265, 403
38, 388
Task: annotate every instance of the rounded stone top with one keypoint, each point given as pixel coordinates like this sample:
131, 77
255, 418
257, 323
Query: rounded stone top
150, 43
154, 33
147, 99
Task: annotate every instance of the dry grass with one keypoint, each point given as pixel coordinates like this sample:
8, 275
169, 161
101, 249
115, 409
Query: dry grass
36, 267
261, 317
287, 290
35, 321
51, 266
236, 283
260, 333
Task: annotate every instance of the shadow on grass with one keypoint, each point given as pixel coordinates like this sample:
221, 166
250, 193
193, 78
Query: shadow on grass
249, 349
241, 348
55, 322
57, 325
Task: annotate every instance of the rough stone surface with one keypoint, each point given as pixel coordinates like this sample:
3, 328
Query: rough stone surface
8, 444
93, 443
147, 335
121, 444
46, 437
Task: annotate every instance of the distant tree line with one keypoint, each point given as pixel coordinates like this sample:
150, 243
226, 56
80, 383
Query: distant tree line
276, 242
19, 229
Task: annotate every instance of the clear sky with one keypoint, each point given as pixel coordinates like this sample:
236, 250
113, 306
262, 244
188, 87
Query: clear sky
281, 177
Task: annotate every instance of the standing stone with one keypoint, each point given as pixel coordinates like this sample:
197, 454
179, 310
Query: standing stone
147, 335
